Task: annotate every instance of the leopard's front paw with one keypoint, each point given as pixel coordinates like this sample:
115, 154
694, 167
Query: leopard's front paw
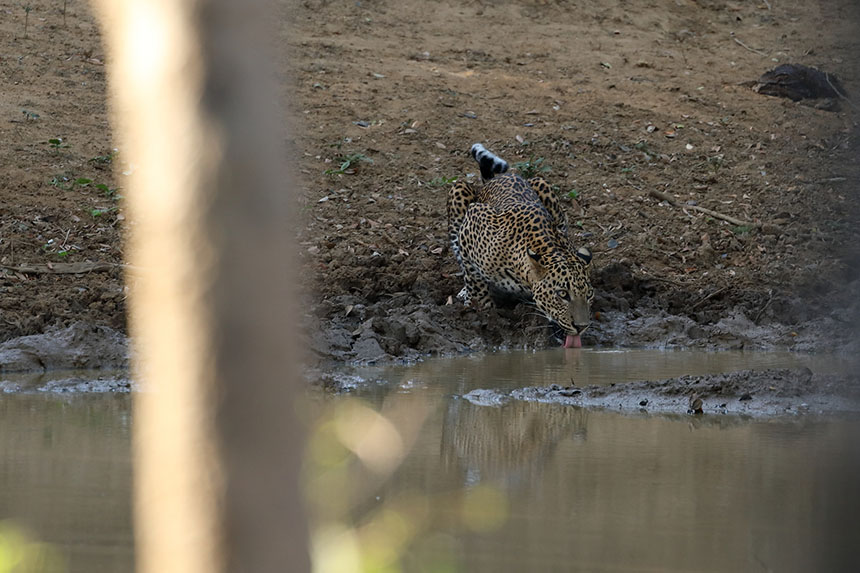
483, 302
477, 301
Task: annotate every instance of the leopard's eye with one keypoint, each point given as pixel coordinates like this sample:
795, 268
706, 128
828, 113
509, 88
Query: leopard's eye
563, 294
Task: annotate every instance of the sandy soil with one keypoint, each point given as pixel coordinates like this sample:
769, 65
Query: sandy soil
610, 99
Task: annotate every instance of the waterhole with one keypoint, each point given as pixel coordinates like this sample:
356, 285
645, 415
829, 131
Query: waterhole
403, 474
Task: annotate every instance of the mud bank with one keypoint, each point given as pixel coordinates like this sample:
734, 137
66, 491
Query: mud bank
632, 310
64, 382
80, 346
405, 329
749, 393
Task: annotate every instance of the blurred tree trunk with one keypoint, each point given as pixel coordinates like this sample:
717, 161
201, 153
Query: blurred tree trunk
217, 443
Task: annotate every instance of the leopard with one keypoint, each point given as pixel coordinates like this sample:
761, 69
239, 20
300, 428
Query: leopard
511, 235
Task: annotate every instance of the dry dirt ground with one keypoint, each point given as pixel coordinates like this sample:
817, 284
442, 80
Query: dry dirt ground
609, 100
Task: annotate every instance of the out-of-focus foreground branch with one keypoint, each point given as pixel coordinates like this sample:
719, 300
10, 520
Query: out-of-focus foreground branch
216, 442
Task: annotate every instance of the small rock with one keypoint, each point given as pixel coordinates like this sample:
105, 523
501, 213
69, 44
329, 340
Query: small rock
798, 82
746, 396
707, 255
768, 229
368, 349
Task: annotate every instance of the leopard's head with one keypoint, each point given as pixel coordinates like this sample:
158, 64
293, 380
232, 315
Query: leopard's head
562, 290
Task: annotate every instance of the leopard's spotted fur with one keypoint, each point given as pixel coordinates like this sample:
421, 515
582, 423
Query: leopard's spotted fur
512, 234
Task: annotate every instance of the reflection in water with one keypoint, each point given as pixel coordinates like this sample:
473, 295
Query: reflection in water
20, 552
540, 487
404, 475
65, 476
582, 367
512, 443
529, 487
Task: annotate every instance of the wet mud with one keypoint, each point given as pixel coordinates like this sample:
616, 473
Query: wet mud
80, 346
399, 329
62, 382
764, 393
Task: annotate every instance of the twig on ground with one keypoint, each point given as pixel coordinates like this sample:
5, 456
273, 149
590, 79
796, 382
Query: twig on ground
830, 180
662, 280
65, 240
708, 297
741, 44
838, 93
61, 268
661, 251
364, 244
764, 308
715, 214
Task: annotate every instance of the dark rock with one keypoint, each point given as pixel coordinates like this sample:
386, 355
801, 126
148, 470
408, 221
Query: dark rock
797, 82
368, 349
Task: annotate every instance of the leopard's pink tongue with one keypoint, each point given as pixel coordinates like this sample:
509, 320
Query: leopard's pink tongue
572, 341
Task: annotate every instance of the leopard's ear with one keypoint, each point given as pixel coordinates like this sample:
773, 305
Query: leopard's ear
585, 254
539, 271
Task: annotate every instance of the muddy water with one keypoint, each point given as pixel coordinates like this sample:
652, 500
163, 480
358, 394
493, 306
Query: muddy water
565, 490
583, 367
65, 476
543, 487
402, 474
